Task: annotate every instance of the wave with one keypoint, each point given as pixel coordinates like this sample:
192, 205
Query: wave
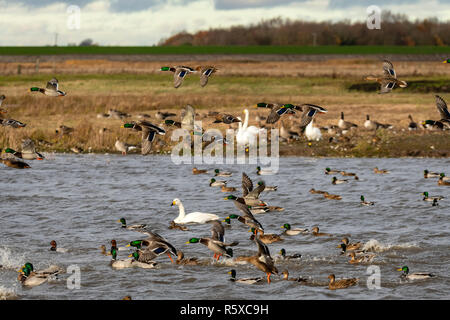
374, 245
10, 261
7, 293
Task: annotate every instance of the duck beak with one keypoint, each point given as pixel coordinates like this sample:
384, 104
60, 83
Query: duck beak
130, 255
118, 220
400, 269
128, 245
444, 61
122, 126
187, 242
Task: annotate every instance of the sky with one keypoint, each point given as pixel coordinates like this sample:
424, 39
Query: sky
146, 22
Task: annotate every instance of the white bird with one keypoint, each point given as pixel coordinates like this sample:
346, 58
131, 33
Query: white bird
312, 133
245, 133
193, 217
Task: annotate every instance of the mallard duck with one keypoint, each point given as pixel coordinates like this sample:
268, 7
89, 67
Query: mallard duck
329, 171
63, 130
225, 118
149, 132
266, 238
50, 90
144, 258
426, 197
432, 125
414, 276
30, 278
123, 147
338, 181
218, 247
389, 79
332, 196
243, 280
28, 151
315, 232
366, 203
218, 173
274, 208
251, 195
174, 225
262, 260
412, 124
286, 277
217, 183
340, 284
284, 256
181, 260
154, 246
267, 188
428, 174
247, 217
132, 227
260, 171
198, 171
348, 174
12, 123
374, 125
162, 115
444, 177
380, 171
193, 217
180, 73
205, 73
360, 259
117, 114
259, 209
442, 182
435, 203
346, 245
345, 125
292, 231
314, 191
227, 189
55, 248
16, 164
443, 111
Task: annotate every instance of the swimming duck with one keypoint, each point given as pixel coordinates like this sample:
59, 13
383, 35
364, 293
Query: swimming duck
360, 259
315, 232
193, 217
227, 189
274, 208
284, 256
132, 227
314, 191
28, 151
267, 188
259, 209
149, 132
345, 125
219, 173
266, 238
389, 79
180, 73
186, 261
152, 247
243, 280
55, 248
429, 174
366, 203
442, 182
214, 183
329, 171
346, 245
338, 181
431, 199
444, 177
198, 171
205, 73
50, 90
332, 196
30, 278
260, 171
414, 276
340, 284
173, 225
286, 277
16, 164
292, 231
380, 171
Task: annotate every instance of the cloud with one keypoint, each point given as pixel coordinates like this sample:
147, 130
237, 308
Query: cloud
245, 4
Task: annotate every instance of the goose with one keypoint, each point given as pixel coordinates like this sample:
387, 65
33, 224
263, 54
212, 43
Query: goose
205, 73
374, 125
123, 147
412, 124
50, 90
292, 231
389, 79
345, 125
193, 217
243, 280
414, 276
340, 284
149, 132
180, 73
366, 203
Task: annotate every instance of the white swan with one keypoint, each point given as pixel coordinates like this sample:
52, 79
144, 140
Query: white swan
312, 133
193, 217
245, 132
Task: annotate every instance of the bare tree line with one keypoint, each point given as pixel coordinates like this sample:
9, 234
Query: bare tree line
396, 29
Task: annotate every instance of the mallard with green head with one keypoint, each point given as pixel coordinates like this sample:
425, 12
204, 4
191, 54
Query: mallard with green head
285, 256
233, 278
218, 247
218, 173
329, 171
366, 203
149, 132
292, 231
52, 89
446, 61
28, 151
442, 181
217, 183
426, 197
338, 181
180, 73
132, 227
414, 276
429, 174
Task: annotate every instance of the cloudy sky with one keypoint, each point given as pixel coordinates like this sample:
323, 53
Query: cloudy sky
145, 22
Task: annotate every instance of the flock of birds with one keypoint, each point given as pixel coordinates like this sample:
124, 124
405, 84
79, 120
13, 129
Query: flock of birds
248, 205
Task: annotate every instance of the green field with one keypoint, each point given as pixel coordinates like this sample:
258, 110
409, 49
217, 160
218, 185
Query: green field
226, 50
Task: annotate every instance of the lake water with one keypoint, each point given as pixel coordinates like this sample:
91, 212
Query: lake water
77, 200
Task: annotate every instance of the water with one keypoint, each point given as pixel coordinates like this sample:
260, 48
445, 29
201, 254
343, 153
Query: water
77, 200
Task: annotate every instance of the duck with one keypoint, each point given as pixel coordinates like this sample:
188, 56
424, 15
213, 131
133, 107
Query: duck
260, 171
292, 231
218, 247
267, 188
349, 174
173, 225
360, 259
181, 260
412, 124
198, 171
315, 232
444, 177
338, 181
12, 123
217, 183
329, 171
426, 197
380, 171
149, 132
247, 220
162, 115
277, 110
132, 227
16, 164
389, 79
286, 277
218, 173
193, 217
314, 191
284, 256
263, 260
180, 73
345, 125
123, 146
31, 278
254, 280
250, 194
347, 246
442, 182
266, 238
52, 89
414, 276
227, 189
332, 196
154, 246
428, 174
225, 118
144, 258
205, 73
446, 61
341, 284
274, 208
28, 151
55, 248
366, 203
443, 111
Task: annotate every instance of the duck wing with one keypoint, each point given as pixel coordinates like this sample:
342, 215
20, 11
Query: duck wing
309, 111
217, 231
28, 146
52, 84
388, 69
442, 108
387, 86
247, 184
205, 74
276, 113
